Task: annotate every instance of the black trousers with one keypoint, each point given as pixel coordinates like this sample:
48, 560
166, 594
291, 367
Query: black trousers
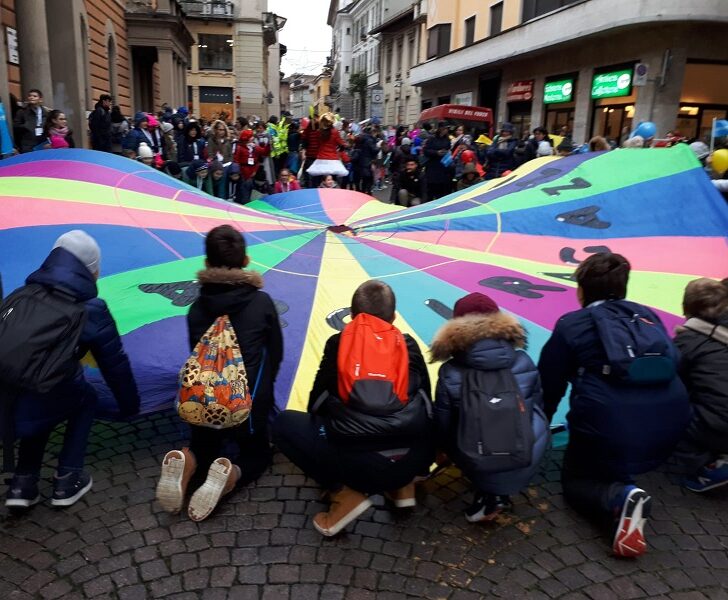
302, 438
438, 190
589, 490
250, 443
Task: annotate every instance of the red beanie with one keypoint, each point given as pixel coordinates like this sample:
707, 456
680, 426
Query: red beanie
475, 303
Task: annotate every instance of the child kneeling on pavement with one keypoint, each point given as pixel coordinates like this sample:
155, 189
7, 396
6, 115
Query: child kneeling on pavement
368, 429
70, 271
226, 390
482, 340
703, 345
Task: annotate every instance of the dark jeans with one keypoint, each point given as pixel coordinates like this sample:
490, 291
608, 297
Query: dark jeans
308, 180
364, 182
251, 441
246, 189
76, 410
587, 489
302, 438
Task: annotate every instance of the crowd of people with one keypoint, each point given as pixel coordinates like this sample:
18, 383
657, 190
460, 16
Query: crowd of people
246, 158
373, 424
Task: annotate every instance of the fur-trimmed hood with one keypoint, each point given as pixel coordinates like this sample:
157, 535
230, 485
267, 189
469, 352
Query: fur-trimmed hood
236, 277
460, 334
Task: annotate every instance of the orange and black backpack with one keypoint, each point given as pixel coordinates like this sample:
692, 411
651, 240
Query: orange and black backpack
373, 379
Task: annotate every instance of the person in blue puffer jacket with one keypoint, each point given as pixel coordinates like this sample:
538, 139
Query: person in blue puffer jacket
482, 337
71, 267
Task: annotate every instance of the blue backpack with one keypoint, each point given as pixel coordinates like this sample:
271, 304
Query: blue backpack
637, 346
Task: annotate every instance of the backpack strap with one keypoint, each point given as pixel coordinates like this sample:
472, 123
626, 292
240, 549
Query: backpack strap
257, 383
716, 332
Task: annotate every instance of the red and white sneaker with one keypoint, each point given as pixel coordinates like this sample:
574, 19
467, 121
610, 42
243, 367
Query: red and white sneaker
629, 541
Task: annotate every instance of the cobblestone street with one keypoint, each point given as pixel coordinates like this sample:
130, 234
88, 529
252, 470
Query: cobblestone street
116, 542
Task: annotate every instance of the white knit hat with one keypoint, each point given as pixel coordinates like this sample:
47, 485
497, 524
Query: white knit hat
544, 149
144, 151
83, 247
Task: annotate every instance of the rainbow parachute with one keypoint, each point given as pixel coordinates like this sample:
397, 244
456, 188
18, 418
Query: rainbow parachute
517, 239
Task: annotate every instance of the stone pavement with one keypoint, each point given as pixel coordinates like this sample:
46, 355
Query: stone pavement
116, 542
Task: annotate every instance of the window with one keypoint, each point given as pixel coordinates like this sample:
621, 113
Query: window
348, 31
438, 42
216, 95
399, 59
536, 8
470, 30
216, 52
496, 18
346, 69
388, 64
412, 54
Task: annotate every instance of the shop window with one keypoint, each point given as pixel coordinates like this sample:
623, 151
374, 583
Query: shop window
443, 100
536, 8
470, 31
496, 18
438, 41
216, 52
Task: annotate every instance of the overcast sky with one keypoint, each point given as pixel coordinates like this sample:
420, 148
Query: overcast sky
306, 34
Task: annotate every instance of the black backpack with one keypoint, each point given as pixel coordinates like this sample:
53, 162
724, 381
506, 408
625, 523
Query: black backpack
40, 328
494, 431
638, 349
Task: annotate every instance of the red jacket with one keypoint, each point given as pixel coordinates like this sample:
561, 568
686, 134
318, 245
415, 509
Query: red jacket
310, 141
328, 147
246, 150
293, 186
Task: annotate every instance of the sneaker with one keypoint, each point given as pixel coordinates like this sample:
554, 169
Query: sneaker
629, 540
22, 491
221, 480
487, 507
346, 505
178, 466
709, 477
70, 488
404, 497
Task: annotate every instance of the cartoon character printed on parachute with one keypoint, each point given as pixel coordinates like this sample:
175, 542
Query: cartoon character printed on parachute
213, 382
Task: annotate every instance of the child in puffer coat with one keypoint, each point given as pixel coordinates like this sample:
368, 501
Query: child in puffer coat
481, 337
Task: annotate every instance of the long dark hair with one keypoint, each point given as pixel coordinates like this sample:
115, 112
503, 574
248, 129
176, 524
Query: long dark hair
116, 116
49, 121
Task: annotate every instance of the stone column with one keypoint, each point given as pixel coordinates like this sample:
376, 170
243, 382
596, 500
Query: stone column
661, 104
582, 110
166, 75
35, 60
537, 111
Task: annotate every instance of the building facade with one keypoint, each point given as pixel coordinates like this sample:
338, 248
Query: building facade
341, 23
598, 67
399, 41
365, 16
235, 66
302, 94
76, 50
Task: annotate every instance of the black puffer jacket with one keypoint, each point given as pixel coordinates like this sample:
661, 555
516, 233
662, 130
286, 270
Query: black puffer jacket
99, 336
237, 293
704, 369
389, 427
435, 171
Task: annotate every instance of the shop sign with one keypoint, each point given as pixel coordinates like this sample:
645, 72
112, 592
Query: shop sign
612, 85
466, 99
13, 56
558, 91
520, 91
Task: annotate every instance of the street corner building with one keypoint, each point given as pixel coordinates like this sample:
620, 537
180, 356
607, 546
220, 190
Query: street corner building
598, 67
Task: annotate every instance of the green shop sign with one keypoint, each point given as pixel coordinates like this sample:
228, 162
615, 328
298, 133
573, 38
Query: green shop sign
612, 85
558, 91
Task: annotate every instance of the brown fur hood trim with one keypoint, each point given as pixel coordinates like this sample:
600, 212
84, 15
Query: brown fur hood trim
230, 277
457, 335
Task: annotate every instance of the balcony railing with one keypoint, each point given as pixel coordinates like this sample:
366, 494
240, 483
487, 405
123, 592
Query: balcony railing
220, 9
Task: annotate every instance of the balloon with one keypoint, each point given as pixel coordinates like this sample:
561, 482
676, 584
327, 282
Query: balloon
646, 129
467, 156
719, 164
304, 122
517, 239
721, 128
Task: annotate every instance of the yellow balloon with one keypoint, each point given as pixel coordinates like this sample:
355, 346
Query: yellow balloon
720, 161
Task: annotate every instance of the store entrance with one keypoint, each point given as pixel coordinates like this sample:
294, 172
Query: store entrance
613, 122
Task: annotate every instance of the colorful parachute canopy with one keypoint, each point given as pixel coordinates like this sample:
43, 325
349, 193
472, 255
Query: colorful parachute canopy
517, 239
